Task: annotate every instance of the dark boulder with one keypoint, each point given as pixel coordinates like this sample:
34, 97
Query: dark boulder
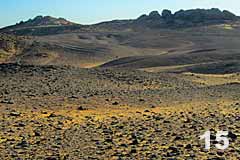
203, 15
167, 15
154, 15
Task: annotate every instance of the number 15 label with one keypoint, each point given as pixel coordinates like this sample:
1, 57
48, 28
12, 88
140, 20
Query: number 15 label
221, 138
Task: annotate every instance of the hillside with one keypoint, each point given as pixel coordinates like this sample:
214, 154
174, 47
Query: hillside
179, 19
40, 25
156, 40
11, 45
144, 88
40, 21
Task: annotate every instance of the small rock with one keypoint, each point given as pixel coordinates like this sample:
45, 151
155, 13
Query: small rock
73, 97
115, 103
109, 140
232, 136
52, 115
220, 153
7, 101
15, 114
189, 146
81, 108
37, 133
133, 150
178, 138
51, 158
23, 144
20, 125
141, 100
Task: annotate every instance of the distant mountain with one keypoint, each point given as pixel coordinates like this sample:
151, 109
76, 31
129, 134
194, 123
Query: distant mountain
37, 22
188, 18
181, 19
40, 25
164, 39
43, 21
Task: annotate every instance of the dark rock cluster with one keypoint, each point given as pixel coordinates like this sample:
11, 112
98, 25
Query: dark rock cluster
11, 44
187, 18
45, 20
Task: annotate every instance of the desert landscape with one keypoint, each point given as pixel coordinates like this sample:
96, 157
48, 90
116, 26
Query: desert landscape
144, 88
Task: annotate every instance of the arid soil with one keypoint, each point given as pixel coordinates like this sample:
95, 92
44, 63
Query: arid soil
140, 89
51, 112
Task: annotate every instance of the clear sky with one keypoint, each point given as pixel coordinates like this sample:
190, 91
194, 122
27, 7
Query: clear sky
93, 11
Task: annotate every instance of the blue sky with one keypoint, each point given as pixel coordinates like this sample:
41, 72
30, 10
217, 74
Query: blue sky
93, 11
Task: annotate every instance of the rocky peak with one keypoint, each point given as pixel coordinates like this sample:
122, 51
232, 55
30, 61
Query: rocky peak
167, 15
200, 15
47, 20
154, 14
186, 18
42, 21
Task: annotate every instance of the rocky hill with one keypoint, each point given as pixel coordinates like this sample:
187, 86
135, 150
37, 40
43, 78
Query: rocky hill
181, 19
186, 18
191, 37
40, 25
42, 21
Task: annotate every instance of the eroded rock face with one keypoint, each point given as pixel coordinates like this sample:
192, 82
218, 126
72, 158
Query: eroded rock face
202, 15
155, 15
167, 16
44, 21
47, 20
187, 18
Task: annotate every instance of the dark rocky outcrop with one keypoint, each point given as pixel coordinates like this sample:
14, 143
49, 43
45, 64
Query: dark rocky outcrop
154, 15
167, 16
184, 18
44, 21
202, 16
41, 25
187, 18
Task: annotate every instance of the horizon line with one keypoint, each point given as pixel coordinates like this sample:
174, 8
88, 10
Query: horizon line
109, 20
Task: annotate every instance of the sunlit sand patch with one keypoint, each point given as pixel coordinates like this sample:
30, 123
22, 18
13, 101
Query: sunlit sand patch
101, 113
228, 27
91, 65
165, 68
213, 79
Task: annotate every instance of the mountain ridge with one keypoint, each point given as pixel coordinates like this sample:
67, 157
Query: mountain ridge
45, 20
167, 19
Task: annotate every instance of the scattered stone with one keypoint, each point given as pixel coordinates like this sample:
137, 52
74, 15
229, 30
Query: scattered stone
7, 101
23, 144
15, 114
188, 146
220, 153
37, 133
146, 111
232, 135
81, 108
133, 150
115, 103
141, 100
73, 97
52, 115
